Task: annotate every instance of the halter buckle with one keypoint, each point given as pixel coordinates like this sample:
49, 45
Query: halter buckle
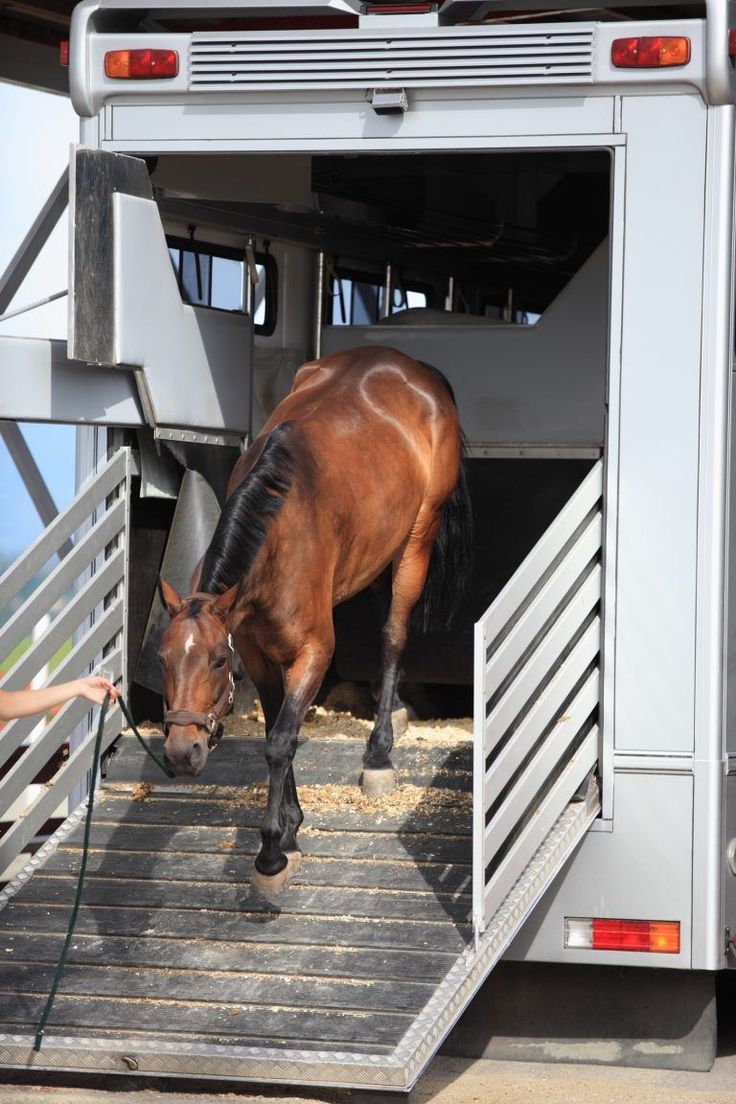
214, 730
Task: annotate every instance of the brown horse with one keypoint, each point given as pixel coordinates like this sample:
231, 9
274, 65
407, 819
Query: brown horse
355, 480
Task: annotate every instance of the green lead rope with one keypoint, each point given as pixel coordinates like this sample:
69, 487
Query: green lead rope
85, 850
162, 766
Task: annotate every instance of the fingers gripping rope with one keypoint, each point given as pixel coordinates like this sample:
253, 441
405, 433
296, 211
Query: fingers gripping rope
85, 849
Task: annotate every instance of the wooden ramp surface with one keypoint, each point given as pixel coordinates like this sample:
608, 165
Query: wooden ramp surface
171, 944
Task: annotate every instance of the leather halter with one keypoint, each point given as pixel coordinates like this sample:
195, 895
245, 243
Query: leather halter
211, 721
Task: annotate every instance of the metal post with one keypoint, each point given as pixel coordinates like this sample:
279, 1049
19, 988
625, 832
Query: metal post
91, 452
388, 291
250, 276
34, 241
508, 310
319, 305
450, 296
32, 306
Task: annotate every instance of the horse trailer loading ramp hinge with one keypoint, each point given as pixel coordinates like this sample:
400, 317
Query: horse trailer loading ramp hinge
356, 980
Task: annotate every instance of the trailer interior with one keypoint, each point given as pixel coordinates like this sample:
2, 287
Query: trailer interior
494, 267
491, 266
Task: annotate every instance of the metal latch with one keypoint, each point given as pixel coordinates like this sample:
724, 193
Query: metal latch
389, 101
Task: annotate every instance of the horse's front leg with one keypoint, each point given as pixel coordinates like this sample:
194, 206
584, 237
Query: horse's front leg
283, 814
268, 682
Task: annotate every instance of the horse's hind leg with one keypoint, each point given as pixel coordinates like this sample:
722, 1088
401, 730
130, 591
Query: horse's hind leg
281, 820
410, 573
381, 587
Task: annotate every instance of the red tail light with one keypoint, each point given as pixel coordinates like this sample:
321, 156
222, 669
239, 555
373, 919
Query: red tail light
653, 936
732, 42
64, 53
141, 64
650, 53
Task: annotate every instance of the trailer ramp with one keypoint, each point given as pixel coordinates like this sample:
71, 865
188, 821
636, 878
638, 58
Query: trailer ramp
379, 944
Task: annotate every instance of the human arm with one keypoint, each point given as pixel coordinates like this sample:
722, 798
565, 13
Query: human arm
24, 703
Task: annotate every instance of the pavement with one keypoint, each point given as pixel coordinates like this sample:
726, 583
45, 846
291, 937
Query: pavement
448, 1081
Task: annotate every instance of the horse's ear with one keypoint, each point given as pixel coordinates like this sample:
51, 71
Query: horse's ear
224, 603
171, 600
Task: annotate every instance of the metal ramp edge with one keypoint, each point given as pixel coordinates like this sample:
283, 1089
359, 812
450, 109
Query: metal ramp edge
397, 1071
424, 1038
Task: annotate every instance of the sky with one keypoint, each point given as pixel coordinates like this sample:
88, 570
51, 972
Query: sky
37, 129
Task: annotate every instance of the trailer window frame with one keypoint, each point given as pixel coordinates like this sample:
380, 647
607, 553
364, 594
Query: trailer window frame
359, 275
263, 258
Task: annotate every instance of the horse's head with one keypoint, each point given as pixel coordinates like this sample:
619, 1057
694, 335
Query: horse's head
197, 659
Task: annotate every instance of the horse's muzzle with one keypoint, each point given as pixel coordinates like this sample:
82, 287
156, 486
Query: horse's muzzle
183, 754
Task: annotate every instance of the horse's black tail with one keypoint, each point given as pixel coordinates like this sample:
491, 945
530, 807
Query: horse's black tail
451, 562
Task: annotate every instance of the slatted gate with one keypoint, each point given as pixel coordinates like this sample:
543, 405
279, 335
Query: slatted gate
537, 651
535, 749
88, 588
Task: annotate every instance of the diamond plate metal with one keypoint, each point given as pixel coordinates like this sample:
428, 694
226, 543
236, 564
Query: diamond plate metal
292, 1067
39, 857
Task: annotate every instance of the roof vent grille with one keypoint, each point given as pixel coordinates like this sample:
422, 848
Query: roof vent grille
442, 57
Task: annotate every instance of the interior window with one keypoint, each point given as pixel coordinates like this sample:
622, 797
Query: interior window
357, 299
213, 276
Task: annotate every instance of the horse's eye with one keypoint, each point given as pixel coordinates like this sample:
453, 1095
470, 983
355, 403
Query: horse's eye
219, 662
162, 661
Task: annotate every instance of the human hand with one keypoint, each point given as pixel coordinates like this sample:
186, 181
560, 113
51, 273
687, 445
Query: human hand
94, 688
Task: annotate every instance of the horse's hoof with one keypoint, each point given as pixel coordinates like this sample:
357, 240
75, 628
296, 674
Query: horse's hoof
271, 886
378, 783
399, 721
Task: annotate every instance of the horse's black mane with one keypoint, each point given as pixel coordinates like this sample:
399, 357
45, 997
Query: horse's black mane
244, 520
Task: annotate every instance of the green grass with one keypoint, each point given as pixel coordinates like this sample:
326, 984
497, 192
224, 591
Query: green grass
60, 655
57, 658
15, 655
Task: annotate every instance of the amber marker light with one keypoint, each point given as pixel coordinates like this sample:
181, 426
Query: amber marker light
141, 64
658, 52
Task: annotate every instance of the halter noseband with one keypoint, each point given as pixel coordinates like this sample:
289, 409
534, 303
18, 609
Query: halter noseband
211, 721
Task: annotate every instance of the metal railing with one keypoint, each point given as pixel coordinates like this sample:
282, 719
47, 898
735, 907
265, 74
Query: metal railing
537, 653
87, 587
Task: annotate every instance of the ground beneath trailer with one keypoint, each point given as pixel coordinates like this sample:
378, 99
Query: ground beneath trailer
448, 1081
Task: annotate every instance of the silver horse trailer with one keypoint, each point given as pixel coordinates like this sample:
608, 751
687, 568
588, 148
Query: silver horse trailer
541, 206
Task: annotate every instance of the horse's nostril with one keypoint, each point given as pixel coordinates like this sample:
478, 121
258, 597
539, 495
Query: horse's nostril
195, 754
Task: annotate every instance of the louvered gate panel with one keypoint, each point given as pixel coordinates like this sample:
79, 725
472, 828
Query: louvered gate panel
537, 694
89, 584
337, 59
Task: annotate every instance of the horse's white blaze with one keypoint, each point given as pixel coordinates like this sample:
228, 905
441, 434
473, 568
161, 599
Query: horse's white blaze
189, 644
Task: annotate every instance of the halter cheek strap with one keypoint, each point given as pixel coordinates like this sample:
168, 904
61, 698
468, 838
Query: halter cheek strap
211, 721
